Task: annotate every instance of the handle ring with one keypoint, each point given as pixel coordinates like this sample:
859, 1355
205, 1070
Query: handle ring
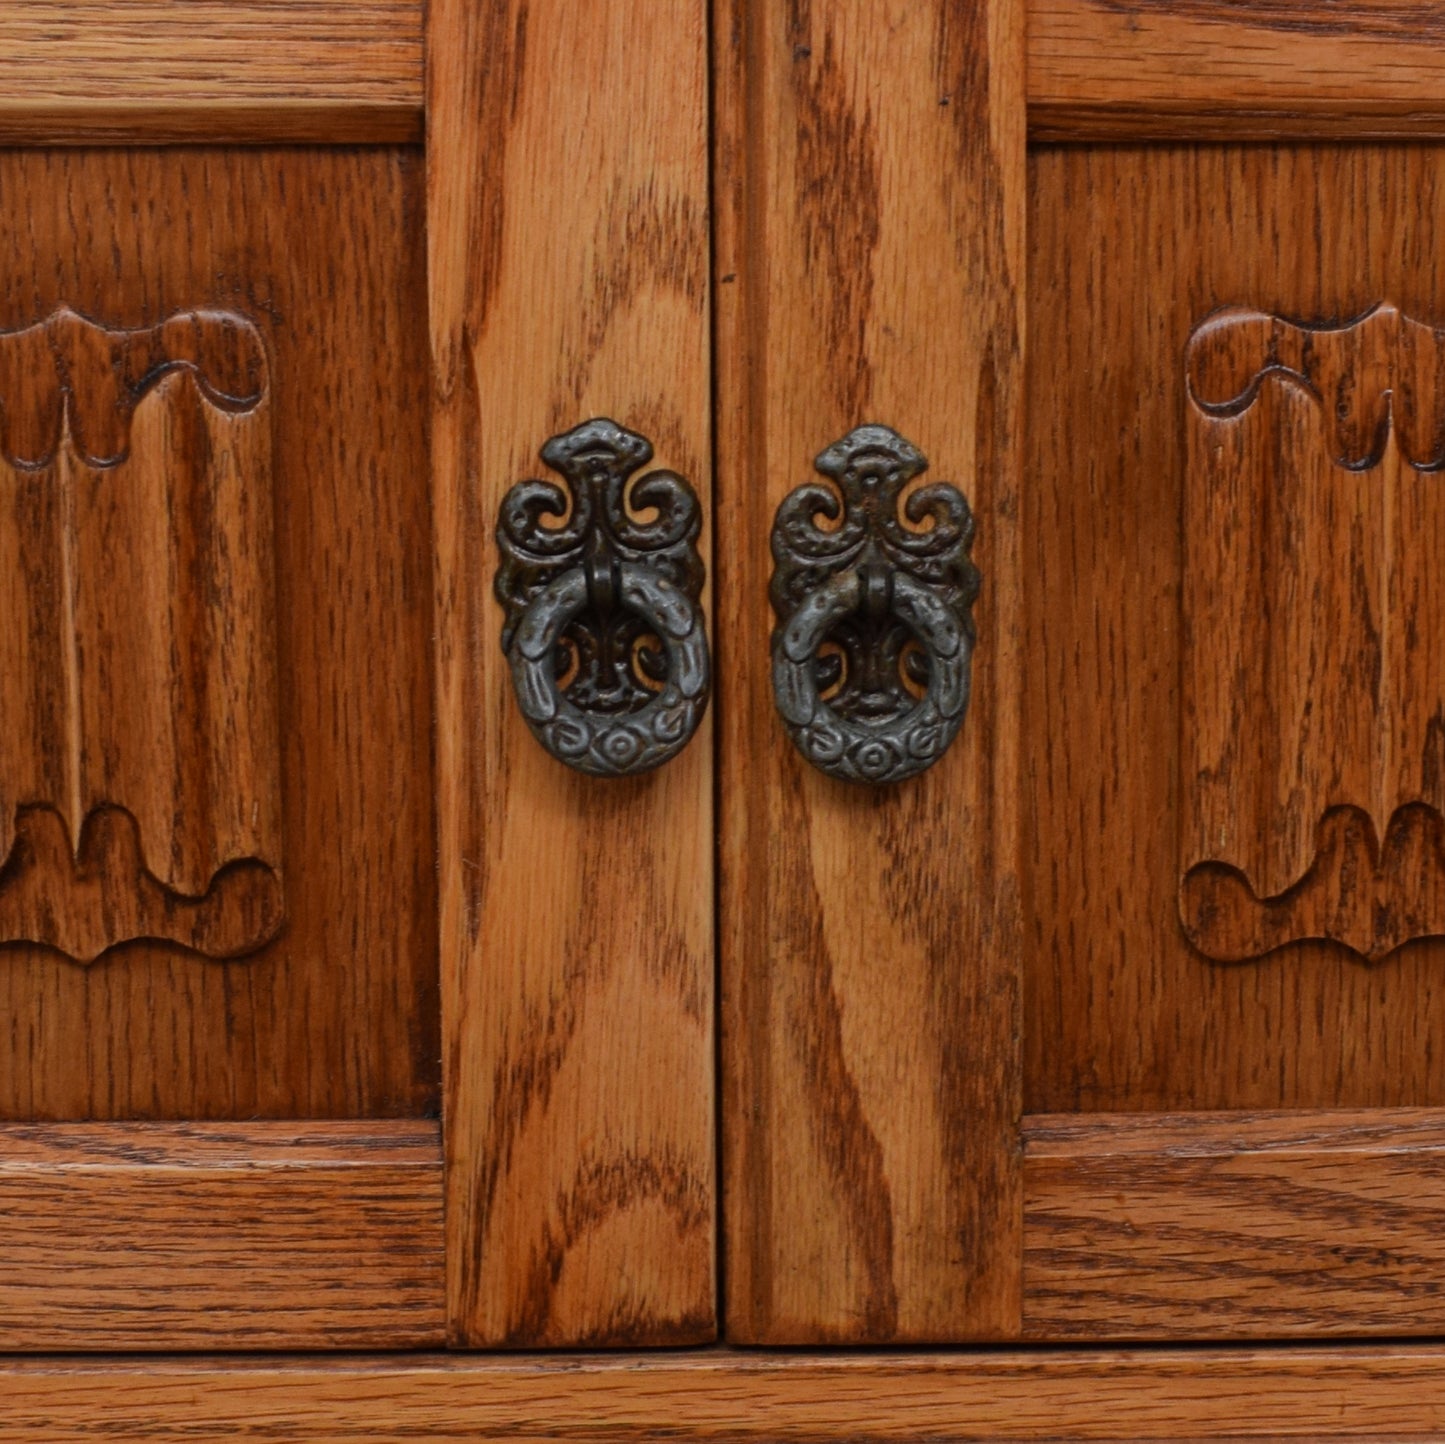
861, 751
612, 744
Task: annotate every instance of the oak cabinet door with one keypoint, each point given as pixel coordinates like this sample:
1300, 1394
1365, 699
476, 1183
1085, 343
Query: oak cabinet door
284, 876
1114, 1017
1124, 1019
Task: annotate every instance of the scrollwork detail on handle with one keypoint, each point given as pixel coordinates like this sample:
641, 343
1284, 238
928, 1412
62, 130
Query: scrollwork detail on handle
604, 628
874, 644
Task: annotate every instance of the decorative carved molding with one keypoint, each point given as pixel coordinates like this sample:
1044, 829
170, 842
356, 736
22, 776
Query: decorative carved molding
139, 739
69, 376
1369, 896
1377, 377
1313, 684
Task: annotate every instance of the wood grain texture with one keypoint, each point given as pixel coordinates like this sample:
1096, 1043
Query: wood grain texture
1224, 1226
870, 262
95, 71
1235, 69
1131, 249
338, 1015
1312, 780
1227, 1394
226, 1236
568, 229
87, 71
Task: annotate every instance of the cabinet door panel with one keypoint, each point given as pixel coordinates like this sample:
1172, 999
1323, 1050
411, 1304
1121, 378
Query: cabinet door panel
1240, 620
219, 794
1257, 923
218, 900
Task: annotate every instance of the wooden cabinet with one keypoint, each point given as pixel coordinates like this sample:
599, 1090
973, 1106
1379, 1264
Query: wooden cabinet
345, 1022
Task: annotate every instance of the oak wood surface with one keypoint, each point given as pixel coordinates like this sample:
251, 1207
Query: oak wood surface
1226, 1226
169, 644
1235, 69
1385, 1393
222, 1236
870, 269
1131, 249
87, 71
83, 71
568, 232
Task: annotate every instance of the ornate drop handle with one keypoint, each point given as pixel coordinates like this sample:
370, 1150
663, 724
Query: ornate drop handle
892, 602
606, 603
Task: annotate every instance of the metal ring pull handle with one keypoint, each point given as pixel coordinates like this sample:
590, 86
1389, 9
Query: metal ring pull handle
604, 630
874, 643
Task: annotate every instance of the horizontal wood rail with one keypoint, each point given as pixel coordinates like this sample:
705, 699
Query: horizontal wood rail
1219, 1226
85, 71
1235, 69
75, 71
1395, 1393
220, 1235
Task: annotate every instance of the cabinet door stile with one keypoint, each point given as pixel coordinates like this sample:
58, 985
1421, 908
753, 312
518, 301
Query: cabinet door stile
870, 180
568, 219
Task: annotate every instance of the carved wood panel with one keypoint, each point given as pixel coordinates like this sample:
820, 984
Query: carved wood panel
248, 382
1131, 248
1314, 520
139, 748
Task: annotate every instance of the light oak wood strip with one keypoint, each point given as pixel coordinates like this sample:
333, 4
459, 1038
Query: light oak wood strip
279, 70
83, 71
1220, 1226
567, 212
233, 1236
1072, 1136
170, 639
316, 70
1226, 1394
1131, 249
1219, 69
870, 194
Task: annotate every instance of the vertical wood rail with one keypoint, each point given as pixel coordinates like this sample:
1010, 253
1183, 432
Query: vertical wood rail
568, 236
869, 175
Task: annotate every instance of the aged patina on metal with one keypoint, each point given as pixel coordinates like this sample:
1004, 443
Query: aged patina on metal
869, 606
606, 599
